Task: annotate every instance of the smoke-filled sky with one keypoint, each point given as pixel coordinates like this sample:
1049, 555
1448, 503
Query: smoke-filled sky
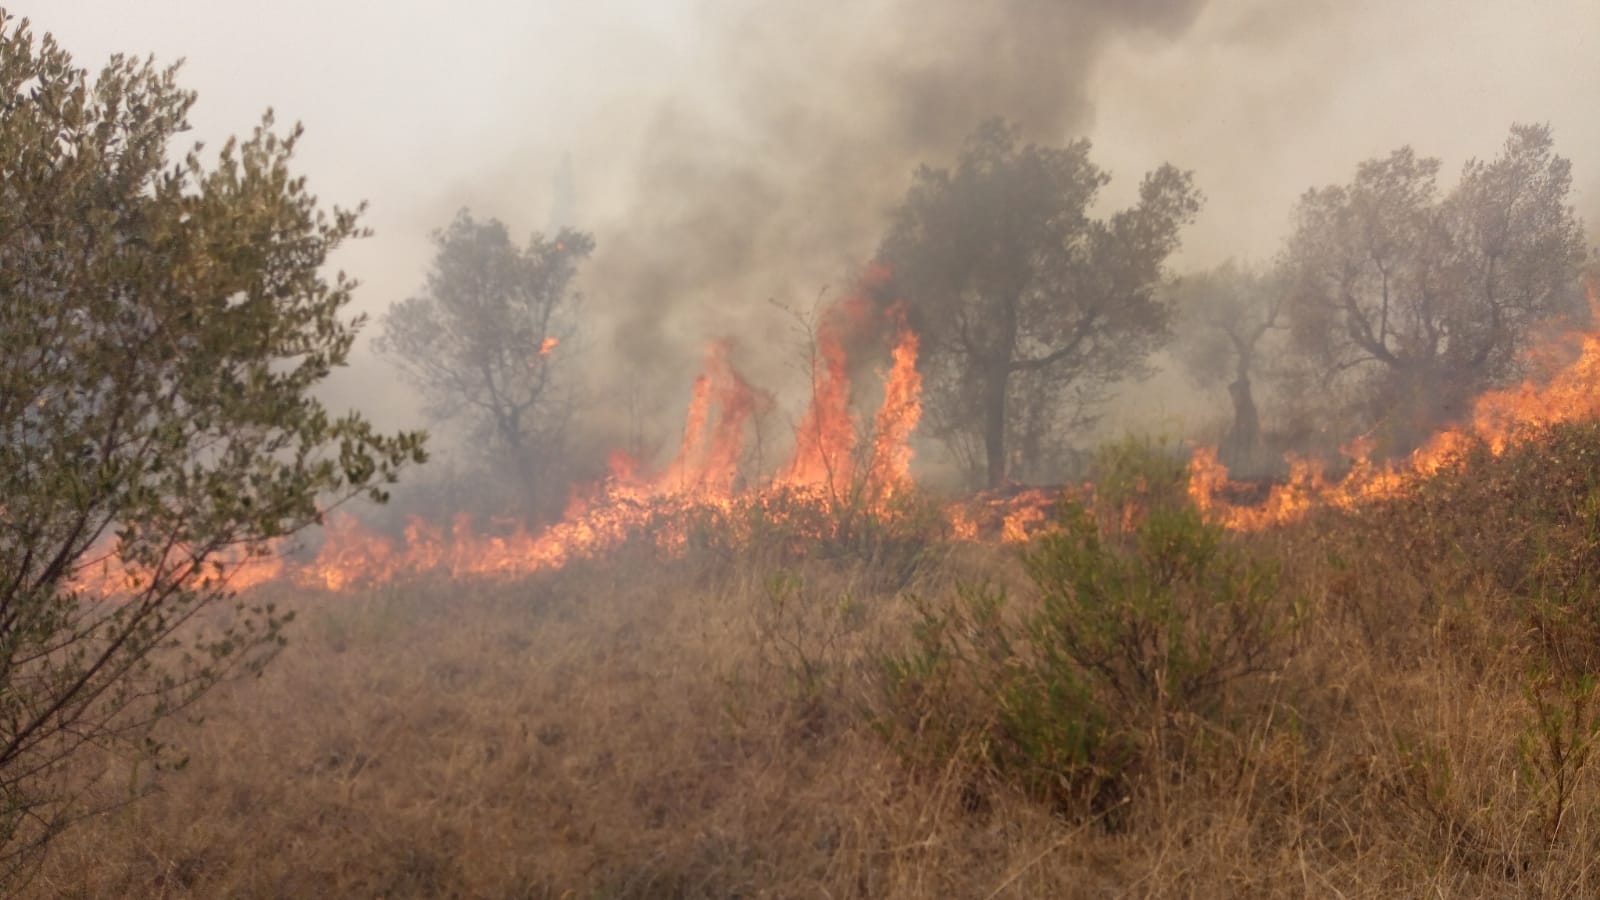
730, 151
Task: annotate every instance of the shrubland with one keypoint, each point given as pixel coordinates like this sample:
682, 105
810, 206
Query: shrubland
1393, 700
808, 690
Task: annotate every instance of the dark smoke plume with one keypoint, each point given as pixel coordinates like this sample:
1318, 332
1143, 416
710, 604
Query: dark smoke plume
778, 181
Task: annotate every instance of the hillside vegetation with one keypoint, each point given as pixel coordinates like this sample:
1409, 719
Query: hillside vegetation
1394, 701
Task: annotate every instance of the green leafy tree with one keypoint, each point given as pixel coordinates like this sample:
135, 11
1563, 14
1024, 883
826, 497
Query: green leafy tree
484, 339
1029, 308
1429, 297
164, 324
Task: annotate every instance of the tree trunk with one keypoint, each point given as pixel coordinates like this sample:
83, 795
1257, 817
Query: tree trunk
1430, 394
994, 422
997, 378
1246, 423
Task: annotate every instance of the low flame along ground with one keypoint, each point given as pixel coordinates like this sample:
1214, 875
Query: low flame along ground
1499, 417
834, 462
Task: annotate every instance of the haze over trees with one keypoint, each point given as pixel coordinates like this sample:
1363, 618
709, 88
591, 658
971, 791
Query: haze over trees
1226, 316
1425, 298
1028, 307
164, 323
719, 677
482, 342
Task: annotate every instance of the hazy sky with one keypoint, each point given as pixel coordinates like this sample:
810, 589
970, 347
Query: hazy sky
727, 151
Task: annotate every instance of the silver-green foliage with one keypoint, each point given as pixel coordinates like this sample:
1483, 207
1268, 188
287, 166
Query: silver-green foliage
1145, 621
163, 324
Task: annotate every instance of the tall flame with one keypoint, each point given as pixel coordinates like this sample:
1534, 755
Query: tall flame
889, 466
830, 454
633, 501
708, 458
826, 434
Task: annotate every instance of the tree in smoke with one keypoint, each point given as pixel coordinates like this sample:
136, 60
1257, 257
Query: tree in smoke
164, 325
1029, 308
1432, 296
1226, 315
482, 340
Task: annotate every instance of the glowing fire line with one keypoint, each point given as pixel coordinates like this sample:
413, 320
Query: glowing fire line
701, 476
830, 455
1499, 418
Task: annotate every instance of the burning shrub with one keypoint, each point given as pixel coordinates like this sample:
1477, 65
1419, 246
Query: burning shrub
1482, 574
796, 525
783, 526
1145, 618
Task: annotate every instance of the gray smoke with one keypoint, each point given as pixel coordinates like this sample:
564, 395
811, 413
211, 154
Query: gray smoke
777, 181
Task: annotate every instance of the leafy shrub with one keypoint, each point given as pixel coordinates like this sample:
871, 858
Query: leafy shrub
1162, 619
165, 325
1143, 619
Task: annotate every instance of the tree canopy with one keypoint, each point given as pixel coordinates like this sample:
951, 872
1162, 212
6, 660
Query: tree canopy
1434, 294
163, 325
1028, 306
483, 339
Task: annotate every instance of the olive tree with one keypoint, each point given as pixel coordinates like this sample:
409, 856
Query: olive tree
484, 338
164, 323
1029, 307
1430, 296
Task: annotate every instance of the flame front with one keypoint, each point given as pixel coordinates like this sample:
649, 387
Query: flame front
834, 463
634, 503
1499, 418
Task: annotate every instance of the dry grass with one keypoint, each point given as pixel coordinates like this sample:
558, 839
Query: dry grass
636, 730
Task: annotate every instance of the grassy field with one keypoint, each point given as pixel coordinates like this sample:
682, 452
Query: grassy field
1415, 720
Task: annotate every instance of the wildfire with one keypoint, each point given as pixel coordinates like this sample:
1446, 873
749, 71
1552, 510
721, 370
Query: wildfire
1499, 418
1012, 516
547, 345
889, 467
835, 463
832, 463
827, 432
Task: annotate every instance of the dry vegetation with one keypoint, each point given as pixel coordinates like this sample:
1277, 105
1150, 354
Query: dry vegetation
700, 728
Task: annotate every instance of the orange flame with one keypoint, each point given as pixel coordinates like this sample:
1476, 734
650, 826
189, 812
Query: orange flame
1499, 418
708, 459
827, 432
830, 454
632, 502
890, 463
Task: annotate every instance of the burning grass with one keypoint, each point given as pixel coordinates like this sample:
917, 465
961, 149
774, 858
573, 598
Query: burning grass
835, 685
845, 477
712, 724
1500, 419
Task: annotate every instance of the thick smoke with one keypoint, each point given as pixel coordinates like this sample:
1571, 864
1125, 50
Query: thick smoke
776, 181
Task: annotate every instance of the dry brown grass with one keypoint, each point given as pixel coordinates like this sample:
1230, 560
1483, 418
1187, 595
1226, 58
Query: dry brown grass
633, 730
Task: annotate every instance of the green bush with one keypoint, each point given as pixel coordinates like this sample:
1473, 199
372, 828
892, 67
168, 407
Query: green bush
1161, 619
1143, 619
166, 327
